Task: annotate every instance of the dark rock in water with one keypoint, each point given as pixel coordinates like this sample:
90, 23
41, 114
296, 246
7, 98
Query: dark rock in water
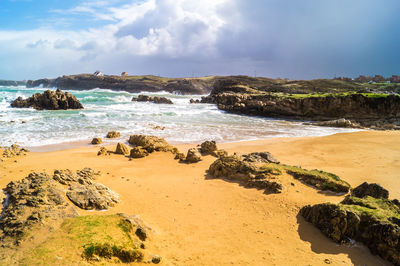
94, 196
49, 100
113, 135
96, 141
261, 157
122, 149
193, 156
372, 221
373, 190
153, 99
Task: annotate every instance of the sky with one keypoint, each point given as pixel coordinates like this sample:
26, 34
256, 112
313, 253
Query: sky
297, 39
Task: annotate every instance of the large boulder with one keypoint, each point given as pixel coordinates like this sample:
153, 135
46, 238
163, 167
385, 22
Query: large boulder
150, 143
49, 100
113, 135
153, 99
138, 152
373, 190
96, 141
208, 147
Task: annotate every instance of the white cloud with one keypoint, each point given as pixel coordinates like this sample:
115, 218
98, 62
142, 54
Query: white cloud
165, 28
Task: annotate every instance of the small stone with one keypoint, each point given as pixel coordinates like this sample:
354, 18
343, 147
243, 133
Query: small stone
156, 259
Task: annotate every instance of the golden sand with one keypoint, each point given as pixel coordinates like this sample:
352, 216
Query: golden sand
202, 221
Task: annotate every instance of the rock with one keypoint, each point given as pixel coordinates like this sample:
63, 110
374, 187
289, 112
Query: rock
65, 177
221, 153
154, 99
208, 148
113, 135
180, 156
96, 141
156, 259
30, 203
150, 143
13, 151
271, 186
49, 100
103, 151
141, 233
342, 122
94, 196
373, 190
232, 167
122, 149
260, 157
193, 156
138, 152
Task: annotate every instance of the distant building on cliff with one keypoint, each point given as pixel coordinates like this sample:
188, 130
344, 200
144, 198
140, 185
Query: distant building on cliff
124, 74
98, 74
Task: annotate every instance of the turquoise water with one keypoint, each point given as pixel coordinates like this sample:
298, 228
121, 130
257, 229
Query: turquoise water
106, 110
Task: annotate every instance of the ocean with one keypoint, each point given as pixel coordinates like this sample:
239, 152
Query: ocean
106, 110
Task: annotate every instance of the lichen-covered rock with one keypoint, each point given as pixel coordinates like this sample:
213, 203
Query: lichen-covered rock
113, 135
372, 221
150, 143
28, 203
138, 152
232, 167
260, 157
373, 190
153, 99
193, 156
122, 149
96, 141
49, 100
94, 196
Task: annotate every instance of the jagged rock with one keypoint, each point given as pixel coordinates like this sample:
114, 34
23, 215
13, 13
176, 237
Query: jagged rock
28, 203
103, 151
122, 149
154, 99
138, 152
113, 135
180, 156
232, 167
150, 143
260, 157
372, 221
96, 141
373, 190
193, 156
14, 150
221, 153
50, 100
94, 196
65, 177
208, 148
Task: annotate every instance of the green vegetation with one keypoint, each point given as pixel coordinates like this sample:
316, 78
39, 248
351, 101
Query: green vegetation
379, 209
93, 237
319, 179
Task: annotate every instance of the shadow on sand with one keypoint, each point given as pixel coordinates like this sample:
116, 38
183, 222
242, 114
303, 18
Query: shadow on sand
357, 253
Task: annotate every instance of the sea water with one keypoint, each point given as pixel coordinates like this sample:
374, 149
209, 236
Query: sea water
106, 110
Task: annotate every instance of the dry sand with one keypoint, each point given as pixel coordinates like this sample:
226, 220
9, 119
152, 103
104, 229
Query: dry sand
202, 221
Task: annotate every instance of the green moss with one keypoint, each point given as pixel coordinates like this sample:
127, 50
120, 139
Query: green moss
317, 178
106, 250
380, 209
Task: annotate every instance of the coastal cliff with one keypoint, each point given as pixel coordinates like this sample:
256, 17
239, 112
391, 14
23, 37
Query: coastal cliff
364, 109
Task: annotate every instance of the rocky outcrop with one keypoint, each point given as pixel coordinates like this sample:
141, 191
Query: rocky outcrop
103, 151
372, 221
130, 84
138, 152
95, 196
235, 168
260, 157
208, 147
13, 151
150, 143
372, 190
49, 100
153, 99
96, 141
351, 110
113, 135
10, 83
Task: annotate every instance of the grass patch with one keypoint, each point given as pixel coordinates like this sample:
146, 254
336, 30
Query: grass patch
88, 237
319, 179
380, 209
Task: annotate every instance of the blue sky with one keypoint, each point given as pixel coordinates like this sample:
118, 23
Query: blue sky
274, 38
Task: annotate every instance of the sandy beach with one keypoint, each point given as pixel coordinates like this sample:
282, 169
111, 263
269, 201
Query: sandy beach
202, 221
